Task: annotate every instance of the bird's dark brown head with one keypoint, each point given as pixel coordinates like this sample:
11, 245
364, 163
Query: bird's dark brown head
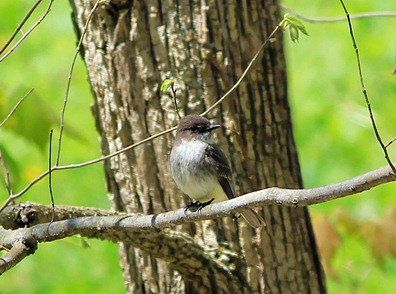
194, 125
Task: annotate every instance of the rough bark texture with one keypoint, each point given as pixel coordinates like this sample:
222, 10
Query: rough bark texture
130, 47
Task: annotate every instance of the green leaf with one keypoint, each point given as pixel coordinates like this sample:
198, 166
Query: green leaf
294, 25
295, 22
166, 85
293, 34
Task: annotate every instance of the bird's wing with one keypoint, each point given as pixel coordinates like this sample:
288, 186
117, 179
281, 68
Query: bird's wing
219, 161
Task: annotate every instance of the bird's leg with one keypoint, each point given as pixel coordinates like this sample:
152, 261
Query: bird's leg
197, 206
193, 206
202, 205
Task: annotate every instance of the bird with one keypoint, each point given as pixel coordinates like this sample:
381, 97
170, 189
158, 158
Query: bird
201, 169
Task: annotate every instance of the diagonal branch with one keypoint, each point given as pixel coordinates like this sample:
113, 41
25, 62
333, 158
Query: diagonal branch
364, 90
148, 231
20, 25
247, 69
15, 107
65, 99
17, 253
80, 165
29, 31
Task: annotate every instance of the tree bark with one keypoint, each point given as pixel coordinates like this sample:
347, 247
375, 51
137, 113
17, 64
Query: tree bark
129, 49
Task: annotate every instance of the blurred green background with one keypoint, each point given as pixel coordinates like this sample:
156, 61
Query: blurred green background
332, 128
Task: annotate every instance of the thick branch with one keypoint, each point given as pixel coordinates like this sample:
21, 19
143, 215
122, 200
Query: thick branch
270, 196
137, 223
177, 248
17, 253
28, 214
143, 231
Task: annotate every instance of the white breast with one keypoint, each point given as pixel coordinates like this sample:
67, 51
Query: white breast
187, 166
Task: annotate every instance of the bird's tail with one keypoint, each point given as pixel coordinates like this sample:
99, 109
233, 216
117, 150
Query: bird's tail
252, 218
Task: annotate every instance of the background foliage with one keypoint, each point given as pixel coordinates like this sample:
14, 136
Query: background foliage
332, 129
336, 141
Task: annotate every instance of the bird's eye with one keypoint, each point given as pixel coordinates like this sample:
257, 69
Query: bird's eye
194, 128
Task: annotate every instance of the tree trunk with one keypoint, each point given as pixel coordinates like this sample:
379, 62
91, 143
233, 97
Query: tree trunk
129, 49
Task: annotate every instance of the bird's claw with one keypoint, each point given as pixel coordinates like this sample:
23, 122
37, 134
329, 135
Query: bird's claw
197, 206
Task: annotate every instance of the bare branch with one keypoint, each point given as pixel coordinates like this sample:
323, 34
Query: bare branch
161, 244
339, 18
6, 174
50, 176
15, 107
20, 25
143, 231
28, 32
270, 196
61, 126
364, 90
22, 215
103, 158
80, 165
244, 73
15, 196
17, 253
390, 142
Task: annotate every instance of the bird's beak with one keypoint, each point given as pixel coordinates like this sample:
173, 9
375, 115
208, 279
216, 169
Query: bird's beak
213, 127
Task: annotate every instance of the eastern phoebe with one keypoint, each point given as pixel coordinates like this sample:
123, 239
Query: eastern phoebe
200, 168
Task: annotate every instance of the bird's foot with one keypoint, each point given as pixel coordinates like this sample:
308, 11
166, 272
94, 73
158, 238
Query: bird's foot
197, 206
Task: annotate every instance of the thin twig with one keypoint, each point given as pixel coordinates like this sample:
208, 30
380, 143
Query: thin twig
12, 197
175, 101
364, 90
50, 176
244, 73
79, 165
103, 158
15, 107
393, 140
6, 174
19, 27
61, 126
339, 18
24, 36
56, 167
